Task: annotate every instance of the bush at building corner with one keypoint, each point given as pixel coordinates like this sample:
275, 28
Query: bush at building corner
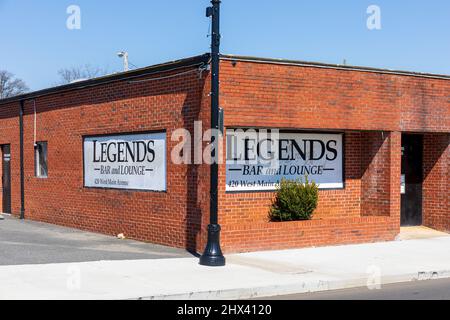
295, 200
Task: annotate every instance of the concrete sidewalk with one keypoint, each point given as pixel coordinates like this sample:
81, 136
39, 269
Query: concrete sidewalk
250, 275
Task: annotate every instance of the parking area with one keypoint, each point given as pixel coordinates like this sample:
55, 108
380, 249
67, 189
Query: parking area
29, 242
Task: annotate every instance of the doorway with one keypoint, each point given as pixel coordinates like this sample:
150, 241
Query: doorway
6, 178
412, 180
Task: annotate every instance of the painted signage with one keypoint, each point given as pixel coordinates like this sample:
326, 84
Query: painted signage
258, 160
131, 162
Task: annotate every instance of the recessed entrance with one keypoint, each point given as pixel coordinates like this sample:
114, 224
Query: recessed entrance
412, 180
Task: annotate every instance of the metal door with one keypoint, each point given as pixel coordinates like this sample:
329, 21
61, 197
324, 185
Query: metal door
6, 178
412, 179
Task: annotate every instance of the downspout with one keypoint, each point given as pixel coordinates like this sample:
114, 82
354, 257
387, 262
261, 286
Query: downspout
22, 178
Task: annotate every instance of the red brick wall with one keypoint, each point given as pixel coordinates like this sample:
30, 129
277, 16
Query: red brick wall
171, 218
375, 180
343, 216
256, 94
436, 186
395, 157
261, 235
361, 104
286, 96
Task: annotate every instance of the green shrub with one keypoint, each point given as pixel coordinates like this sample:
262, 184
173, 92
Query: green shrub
295, 200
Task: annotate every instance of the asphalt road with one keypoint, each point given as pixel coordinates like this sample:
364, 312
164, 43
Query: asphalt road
28, 242
419, 290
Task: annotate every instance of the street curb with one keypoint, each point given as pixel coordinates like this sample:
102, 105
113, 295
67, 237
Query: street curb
298, 288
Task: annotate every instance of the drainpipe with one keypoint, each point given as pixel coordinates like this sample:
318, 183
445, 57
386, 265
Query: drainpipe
213, 256
22, 178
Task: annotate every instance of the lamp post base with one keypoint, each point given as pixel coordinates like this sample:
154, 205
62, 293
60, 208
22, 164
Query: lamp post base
213, 257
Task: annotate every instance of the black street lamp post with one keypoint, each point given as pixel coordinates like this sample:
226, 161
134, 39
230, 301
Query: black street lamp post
213, 256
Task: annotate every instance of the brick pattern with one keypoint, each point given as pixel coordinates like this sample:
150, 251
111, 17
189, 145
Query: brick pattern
257, 94
287, 235
372, 110
343, 216
375, 180
395, 156
171, 218
307, 97
436, 185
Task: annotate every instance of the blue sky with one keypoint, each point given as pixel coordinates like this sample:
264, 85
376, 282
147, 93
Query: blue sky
35, 42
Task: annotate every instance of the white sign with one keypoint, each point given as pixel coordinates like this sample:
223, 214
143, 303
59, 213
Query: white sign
403, 184
258, 160
131, 162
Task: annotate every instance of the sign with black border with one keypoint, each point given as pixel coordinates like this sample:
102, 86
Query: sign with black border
257, 159
128, 161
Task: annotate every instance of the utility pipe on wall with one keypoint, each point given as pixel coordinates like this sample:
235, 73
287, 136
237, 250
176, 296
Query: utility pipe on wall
22, 178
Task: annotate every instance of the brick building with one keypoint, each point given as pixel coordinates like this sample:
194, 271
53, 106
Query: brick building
390, 130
